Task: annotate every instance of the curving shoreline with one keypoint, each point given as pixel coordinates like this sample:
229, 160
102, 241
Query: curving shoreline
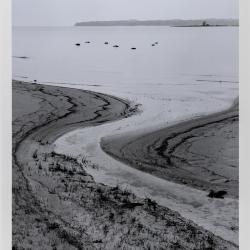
193, 153
56, 204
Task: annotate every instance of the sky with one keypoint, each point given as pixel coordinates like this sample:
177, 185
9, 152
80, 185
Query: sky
68, 12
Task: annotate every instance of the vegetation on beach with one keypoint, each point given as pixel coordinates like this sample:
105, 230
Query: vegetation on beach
58, 205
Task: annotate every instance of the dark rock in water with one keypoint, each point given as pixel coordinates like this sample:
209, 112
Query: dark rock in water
78, 44
133, 48
116, 46
153, 44
106, 43
21, 57
87, 42
219, 194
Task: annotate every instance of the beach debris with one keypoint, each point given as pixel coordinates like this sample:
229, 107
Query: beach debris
106, 43
34, 155
116, 46
77, 44
133, 48
131, 205
87, 42
219, 194
151, 203
97, 241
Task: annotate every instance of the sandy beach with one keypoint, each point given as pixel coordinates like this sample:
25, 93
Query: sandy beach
58, 205
201, 153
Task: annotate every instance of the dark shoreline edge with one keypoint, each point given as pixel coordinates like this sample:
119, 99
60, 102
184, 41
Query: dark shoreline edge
57, 205
157, 152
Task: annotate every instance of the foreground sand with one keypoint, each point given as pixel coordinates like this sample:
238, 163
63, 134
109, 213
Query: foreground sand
57, 205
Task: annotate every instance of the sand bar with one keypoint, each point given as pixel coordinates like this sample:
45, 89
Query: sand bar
201, 153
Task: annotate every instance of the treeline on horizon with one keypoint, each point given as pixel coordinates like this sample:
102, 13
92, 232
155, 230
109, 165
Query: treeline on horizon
173, 23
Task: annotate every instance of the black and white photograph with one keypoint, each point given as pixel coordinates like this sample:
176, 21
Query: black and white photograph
125, 124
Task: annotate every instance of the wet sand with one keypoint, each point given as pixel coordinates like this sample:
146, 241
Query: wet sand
57, 205
201, 153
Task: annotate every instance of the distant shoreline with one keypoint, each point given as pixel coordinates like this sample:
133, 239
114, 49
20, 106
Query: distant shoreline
171, 23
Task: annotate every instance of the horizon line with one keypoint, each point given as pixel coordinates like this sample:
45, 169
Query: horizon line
116, 20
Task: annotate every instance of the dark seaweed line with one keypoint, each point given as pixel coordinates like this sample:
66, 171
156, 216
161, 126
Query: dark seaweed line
69, 111
170, 154
164, 145
169, 157
19, 165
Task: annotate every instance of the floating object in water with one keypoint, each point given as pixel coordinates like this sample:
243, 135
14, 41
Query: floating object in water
219, 194
153, 44
106, 43
116, 46
156, 42
35, 80
87, 42
133, 48
78, 44
21, 57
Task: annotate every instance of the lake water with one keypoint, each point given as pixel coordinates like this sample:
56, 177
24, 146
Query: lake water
190, 52
191, 72
194, 66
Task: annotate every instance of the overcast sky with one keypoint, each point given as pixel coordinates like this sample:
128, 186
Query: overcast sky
67, 12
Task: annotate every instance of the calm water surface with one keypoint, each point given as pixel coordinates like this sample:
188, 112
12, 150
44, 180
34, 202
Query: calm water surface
182, 53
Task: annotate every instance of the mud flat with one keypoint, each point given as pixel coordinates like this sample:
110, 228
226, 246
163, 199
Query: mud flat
57, 205
201, 153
